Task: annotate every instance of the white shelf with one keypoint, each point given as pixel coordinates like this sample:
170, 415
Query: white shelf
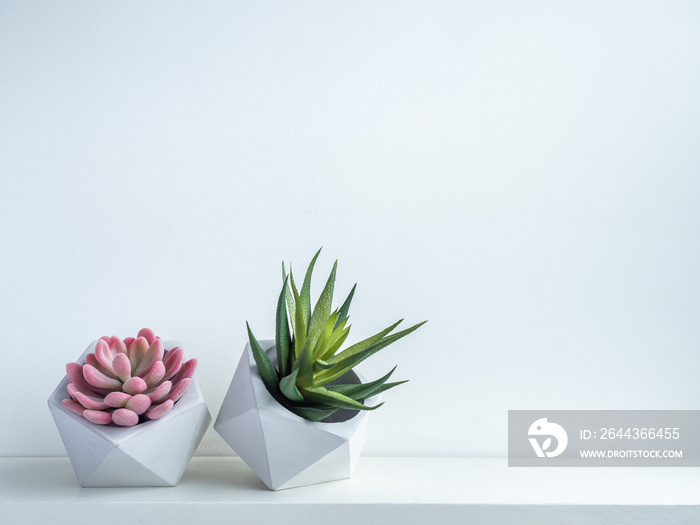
383, 490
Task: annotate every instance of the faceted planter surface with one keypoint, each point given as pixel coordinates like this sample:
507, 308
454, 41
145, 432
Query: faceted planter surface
283, 449
150, 454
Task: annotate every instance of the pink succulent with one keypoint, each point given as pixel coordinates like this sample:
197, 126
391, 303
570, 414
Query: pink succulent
128, 382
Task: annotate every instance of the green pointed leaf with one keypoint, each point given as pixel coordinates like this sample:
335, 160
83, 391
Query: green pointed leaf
329, 397
370, 393
322, 309
353, 360
265, 367
283, 340
360, 390
299, 324
289, 388
334, 342
326, 338
343, 312
320, 345
288, 294
305, 294
313, 413
304, 365
357, 347
385, 387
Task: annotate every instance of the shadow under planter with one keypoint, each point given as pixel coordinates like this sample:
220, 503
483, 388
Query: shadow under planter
283, 449
150, 454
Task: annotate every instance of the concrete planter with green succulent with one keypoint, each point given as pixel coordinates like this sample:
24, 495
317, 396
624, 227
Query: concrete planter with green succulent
296, 412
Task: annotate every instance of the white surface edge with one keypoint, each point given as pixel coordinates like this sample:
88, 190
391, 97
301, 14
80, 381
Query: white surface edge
460, 481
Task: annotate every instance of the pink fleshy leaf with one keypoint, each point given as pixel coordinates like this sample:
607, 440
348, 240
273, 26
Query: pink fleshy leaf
104, 338
159, 411
74, 371
104, 356
75, 407
128, 341
156, 374
125, 417
91, 360
73, 388
98, 417
160, 394
96, 378
153, 355
116, 345
186, 371
137, 352
179, 389
89, 402
139, 403
147, 334
71, 391
173, 362
122, 366
135, 385
117, 399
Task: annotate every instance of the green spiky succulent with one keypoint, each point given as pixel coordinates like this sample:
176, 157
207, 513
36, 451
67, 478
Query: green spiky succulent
310, 377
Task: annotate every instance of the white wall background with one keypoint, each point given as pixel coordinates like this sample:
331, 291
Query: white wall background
524, 175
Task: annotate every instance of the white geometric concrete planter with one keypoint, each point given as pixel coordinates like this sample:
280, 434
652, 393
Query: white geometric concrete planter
283, 449
150, 454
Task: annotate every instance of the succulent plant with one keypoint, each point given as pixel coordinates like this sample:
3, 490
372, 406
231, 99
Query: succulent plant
128, 382
309, 378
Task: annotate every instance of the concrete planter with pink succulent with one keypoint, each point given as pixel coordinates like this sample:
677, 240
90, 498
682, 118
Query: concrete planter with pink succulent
129, 412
